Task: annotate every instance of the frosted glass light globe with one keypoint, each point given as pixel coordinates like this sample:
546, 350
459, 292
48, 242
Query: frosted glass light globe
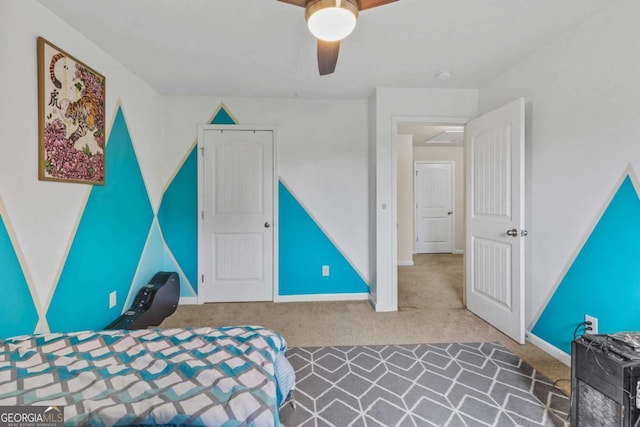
332, 23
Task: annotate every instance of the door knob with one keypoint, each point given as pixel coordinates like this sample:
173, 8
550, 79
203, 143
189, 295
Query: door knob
267, 225
513, 232
450, 213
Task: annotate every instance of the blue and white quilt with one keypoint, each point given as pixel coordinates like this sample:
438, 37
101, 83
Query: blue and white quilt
196, 376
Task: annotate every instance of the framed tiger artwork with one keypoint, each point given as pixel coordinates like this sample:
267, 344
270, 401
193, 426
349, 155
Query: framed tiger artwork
71, 118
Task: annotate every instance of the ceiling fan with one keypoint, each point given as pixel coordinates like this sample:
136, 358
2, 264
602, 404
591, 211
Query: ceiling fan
330, 21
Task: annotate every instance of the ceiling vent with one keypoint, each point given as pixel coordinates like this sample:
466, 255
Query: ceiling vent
447, 137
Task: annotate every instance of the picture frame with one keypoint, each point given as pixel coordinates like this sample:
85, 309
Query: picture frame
71, 118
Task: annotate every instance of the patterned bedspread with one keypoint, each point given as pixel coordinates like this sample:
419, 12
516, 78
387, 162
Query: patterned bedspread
200, 376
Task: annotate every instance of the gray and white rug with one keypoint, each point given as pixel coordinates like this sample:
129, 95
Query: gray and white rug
474, 384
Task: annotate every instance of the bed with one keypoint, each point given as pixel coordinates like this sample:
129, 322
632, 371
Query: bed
231, 376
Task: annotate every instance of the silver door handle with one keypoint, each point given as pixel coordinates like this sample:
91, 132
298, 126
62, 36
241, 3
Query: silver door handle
267, 225
513, 232
450, 213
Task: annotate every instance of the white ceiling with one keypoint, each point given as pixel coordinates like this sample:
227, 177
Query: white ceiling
262, 48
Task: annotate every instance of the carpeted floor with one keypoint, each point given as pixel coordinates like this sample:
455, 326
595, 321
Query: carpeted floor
473, 384
431, 311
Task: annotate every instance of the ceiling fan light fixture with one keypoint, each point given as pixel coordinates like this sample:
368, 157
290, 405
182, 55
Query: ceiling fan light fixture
331, 20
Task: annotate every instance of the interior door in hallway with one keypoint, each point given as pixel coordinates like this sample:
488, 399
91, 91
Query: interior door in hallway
434, 207
494, 254
237, 248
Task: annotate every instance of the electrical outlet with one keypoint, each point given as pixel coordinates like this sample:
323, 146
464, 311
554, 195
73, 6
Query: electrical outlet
112, 299
325, 270
593, 325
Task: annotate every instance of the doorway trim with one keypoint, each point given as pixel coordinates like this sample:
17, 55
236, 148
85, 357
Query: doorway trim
393, 247
275, 225
452, 201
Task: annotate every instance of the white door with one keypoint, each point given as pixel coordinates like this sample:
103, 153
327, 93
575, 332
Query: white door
237, 215
434, 207
494, 255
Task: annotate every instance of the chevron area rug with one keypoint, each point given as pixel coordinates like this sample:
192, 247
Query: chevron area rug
473, 384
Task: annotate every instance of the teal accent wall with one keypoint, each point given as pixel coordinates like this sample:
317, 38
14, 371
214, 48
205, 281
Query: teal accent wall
604, 279
108, 243
178, 213
155, 258
18, 315
304, 249
178, 217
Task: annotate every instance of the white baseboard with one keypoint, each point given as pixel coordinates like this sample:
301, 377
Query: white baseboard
380, 308
409, 263
548, 348
458, 252
372, 302
362, 296
188, 300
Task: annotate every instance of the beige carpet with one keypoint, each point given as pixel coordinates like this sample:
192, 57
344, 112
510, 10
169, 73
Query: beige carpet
431, 311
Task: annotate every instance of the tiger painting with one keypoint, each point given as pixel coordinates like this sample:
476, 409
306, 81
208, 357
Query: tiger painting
81, 112
72, 137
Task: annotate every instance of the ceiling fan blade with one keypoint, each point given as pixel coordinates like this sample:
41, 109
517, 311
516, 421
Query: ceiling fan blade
369, 4
327, 56
300, 3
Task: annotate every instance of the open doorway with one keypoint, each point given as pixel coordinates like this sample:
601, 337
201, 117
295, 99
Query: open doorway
431, 215
494, 215
430, 193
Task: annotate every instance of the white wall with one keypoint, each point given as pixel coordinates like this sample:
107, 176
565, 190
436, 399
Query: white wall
428, 106
583, 129
373, 171
456, 155
322, 156
43, 214
406, 211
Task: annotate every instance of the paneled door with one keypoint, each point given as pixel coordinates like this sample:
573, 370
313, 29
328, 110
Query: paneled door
494, 255
237, 247
434, 207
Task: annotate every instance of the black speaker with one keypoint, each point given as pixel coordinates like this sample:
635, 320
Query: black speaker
156, 301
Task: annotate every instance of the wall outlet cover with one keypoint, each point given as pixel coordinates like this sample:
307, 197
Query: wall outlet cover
593, 325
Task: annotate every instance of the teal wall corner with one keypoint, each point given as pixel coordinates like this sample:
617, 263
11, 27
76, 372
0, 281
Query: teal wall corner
178, 217
604, 279
108, 243
186, 289
304, 248
19, 315
155, 259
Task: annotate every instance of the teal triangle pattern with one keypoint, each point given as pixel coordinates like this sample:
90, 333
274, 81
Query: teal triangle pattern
108, 243
154, 259
178, 217
178, 212
19, 315
304, 248
604, 279
223, 117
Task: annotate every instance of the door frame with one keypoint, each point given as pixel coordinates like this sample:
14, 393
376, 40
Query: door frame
452, 201
274, 226
396, 121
